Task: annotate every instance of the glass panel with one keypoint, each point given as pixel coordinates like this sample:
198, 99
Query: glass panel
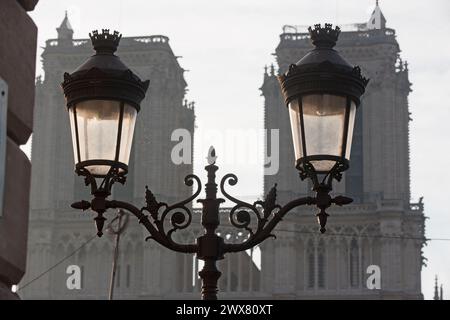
323, 165
97, 129
324, 117
74, 137
351, 126
129, 120
354, 177
294, 115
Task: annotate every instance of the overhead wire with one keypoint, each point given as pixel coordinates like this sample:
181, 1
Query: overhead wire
353, 235
55, 265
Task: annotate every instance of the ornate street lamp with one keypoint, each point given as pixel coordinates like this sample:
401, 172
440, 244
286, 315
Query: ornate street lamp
322, 92
103, 96
322, 112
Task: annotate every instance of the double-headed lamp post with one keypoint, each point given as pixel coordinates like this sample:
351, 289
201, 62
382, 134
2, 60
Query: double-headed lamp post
103, 96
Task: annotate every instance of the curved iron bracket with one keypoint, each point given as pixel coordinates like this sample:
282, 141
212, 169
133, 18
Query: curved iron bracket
209, 247
268, 214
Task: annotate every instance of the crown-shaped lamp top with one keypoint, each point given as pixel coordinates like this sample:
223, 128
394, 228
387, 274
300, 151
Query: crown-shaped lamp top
105, 42
324, 37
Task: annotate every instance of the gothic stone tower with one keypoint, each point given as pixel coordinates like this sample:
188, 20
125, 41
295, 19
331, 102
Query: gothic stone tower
376, 229
144, 268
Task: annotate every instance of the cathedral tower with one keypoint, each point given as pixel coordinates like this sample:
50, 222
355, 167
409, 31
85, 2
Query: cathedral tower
56, 230
376, 229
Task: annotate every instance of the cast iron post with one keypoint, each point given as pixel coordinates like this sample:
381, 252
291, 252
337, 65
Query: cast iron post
210, 245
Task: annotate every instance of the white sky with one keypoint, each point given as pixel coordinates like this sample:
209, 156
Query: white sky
225, 45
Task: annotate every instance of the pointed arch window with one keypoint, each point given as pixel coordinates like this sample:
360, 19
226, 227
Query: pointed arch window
354, 263
311, 261
118, 276
128, 277
82, 262
321, 265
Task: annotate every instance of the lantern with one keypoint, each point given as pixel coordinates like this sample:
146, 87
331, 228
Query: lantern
322, 92
103, 97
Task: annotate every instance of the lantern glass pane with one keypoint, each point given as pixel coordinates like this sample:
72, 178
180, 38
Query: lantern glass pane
351, 126
324, 120
74, 136
98, 122
129, 120
294, 115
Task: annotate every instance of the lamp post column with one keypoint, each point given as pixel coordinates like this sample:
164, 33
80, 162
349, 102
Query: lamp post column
210, 245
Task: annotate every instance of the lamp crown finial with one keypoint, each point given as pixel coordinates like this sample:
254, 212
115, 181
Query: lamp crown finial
105, 42
324, 37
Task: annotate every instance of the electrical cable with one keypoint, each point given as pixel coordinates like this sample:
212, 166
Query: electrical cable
283, 230
57, 264
367, 235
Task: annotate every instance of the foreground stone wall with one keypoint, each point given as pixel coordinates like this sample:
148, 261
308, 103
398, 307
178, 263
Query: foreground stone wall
17, 68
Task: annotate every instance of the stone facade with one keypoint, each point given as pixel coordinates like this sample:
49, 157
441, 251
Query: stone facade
18, 35
381, 227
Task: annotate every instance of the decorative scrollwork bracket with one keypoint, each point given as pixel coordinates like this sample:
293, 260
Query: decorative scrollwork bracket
210, 247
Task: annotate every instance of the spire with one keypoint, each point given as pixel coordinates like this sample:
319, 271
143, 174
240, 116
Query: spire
65, 31
436, 289
377, 19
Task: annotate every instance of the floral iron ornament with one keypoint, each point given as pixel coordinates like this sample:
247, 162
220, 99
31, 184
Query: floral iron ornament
209, 247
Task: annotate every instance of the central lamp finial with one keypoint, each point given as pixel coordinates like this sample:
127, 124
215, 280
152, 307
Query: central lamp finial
324, 37
105, 42
211, 158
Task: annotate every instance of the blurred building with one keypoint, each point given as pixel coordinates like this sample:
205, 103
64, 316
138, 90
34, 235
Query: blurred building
55, 229
378, 237
18, 35
382, 227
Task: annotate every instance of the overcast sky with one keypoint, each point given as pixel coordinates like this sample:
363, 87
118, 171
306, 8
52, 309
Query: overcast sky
225, 45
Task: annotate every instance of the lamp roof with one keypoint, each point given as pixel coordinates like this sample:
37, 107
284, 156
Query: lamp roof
323, 70
324, 39
104, 75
